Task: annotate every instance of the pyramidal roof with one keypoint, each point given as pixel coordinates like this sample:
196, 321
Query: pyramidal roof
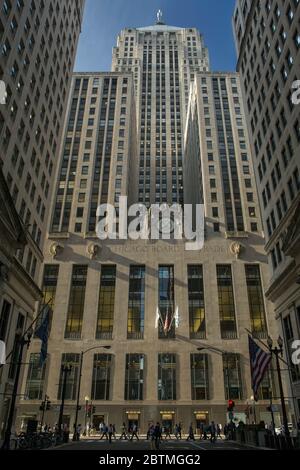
160, 25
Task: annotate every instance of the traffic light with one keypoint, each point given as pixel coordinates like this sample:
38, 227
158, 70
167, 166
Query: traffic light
48, 405
42, 407
94, 409
231, 405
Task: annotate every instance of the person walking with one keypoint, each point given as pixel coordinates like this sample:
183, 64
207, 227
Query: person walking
123, 432
134, 432
179, 430
151, 433
110, 432
219, 430
157, 435
213, 431
104, 432
191, 435
167, 432
176, 432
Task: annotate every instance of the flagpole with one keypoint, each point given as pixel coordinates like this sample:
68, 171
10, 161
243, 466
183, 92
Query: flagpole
29, 328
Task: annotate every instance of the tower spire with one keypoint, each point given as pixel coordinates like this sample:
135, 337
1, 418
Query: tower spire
159, 17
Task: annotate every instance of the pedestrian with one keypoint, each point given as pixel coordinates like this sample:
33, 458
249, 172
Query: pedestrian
179, 430
114, 432
110, 432
213, 431
78, 432
123, 432
176, 432
201, 430
157, 435
101, 427
151, 432
219, 430
134, 432
104, 432
167, 432
191, 435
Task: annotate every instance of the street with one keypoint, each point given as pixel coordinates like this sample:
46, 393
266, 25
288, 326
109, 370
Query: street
142, 445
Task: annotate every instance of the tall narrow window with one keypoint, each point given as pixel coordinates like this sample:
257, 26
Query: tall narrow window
167, 377
199, 375
232, 377
136, 303
256, 301
134, 378
69, 359
106, 305
35, 378
4, 319
16, 347
196, 302
49, 289
166, 302
267, 388
226, 302
76, 303
101, 377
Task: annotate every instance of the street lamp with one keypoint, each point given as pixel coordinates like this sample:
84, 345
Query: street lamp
66, 369
87, 399
23, 341
75, 434
279, 351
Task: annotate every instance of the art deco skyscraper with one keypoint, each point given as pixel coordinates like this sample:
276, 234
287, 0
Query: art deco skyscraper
164, 60
109, 293
268, 44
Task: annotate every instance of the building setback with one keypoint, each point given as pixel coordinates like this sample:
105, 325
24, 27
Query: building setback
268, 44
38, 46
107, 293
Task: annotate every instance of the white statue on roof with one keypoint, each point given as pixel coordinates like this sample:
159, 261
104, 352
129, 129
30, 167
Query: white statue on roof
159, 16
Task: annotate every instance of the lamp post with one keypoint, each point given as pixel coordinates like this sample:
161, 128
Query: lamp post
75, 434
23, 341
87, 399
279, 351
65, 371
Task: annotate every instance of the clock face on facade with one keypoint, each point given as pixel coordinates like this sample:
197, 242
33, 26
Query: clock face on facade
166, 226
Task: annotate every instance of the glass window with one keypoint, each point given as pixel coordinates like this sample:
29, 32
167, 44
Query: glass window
232, 377
76, 303
69, 359
226, 302
136, 303
101, 377
106, 304
166, 302
134, 376
167, 377
35, 378
256, 300
196, 302
199, 376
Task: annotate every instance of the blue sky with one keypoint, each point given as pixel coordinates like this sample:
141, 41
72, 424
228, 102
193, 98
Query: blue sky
103, 19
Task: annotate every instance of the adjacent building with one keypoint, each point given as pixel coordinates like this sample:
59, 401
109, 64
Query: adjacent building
268, 44
38, 46
108, 293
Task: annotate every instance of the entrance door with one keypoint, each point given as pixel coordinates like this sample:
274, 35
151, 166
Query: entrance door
97, 420
167, 422
202, 422
133, 419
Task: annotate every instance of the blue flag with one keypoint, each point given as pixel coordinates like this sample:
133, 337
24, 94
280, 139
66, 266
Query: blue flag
43, 333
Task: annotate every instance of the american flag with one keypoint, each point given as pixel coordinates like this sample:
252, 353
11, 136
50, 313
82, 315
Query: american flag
259, 362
